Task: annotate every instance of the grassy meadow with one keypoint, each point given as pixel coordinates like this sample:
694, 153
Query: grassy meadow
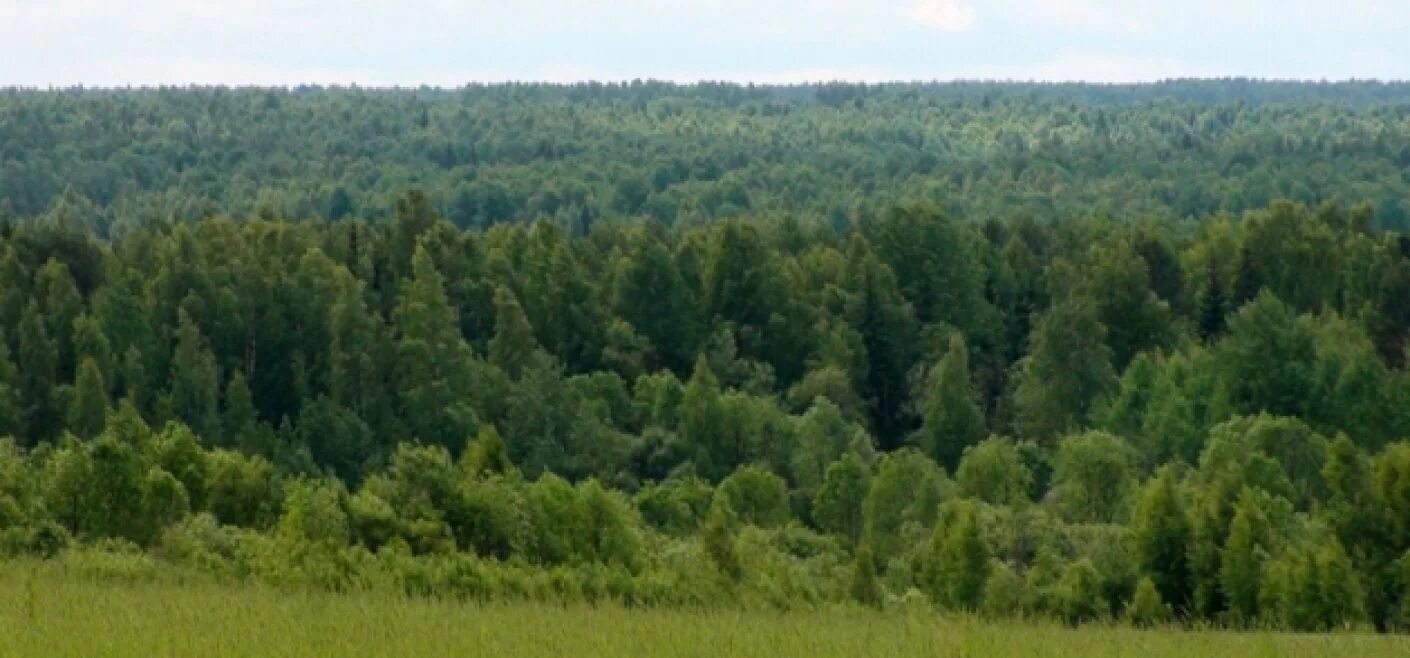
50, 612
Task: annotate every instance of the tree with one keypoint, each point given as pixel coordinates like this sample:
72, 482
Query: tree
865, 588
90, 401
952, 420
1213, 304
240, 418
1079, 593
487, 455
61, 304
649, 293
195, 383
1068, 368
434, 368
754, 496
1094, 478
1005, 593
1160, 531
993, 472
702, 423
885, 321
38, 363
936, 260
11, 402
1267, 357
1245, 551
358, 368
823, 436
837, 508
1146, 609
905, 494
513, 346
958, 559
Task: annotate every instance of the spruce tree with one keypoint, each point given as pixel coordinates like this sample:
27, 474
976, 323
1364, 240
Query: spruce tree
89, 404
513, 347
952, 420
195, 384
38, 363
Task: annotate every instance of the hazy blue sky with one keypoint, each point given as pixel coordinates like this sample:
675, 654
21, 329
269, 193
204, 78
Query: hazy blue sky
102, 42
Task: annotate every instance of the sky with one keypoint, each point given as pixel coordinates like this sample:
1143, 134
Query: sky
445, 43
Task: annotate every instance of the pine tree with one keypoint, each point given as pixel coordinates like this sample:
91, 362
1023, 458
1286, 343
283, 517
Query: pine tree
11, 409
952, 420
61, 305
513, 347
434, 368
1146, 609
1213, 306
358, 371
89, 342
195, 384
38, 363
89, 405
238, 421
885, 321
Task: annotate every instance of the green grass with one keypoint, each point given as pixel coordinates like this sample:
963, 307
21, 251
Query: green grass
49, 612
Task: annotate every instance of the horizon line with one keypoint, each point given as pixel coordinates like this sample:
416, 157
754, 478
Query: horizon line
743, 83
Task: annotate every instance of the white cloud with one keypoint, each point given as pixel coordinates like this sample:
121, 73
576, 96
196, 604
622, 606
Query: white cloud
944, 15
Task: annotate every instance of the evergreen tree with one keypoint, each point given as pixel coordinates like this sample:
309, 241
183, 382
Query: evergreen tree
513, 347
883, 318
89, 405
38, 363
195, 384
240, 418
1213, 305
434, 368
952, 420
1146, 609
11, 391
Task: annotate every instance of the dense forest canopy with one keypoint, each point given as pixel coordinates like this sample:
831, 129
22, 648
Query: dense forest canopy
687, 154
1004, 349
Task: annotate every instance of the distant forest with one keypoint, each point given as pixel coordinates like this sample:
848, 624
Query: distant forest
1084, 352
688, 154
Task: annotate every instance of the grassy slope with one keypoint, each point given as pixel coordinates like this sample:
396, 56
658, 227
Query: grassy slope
57, 615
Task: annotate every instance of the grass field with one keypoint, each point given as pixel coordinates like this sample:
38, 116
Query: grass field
53, 614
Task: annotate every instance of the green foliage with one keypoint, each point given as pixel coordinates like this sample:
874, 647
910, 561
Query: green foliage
993, 472
952, 420
475, 389
754, 496
1094, 478
958, 559
1146, 608
838, 507
1068, 368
